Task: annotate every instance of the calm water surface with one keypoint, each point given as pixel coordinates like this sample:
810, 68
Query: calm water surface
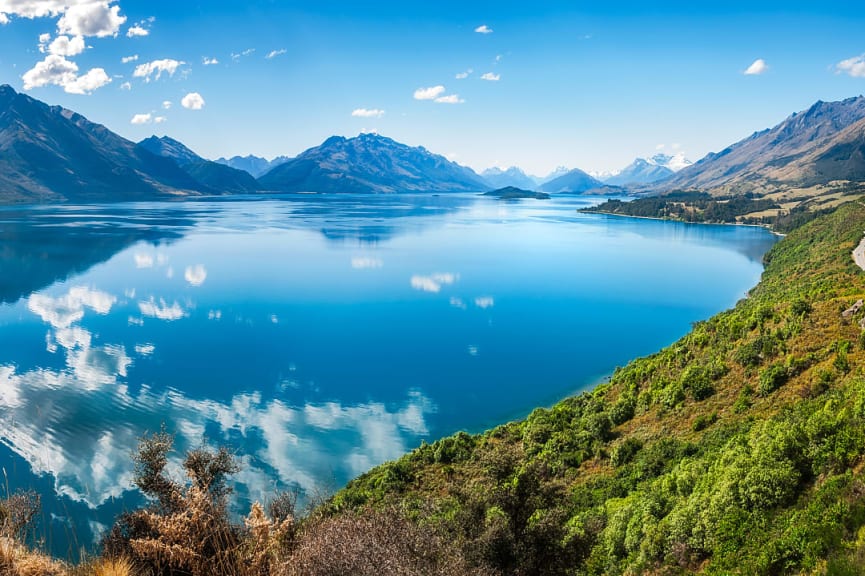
319, 336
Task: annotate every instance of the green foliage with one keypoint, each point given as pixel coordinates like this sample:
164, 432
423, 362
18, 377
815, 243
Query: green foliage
772, 378
737, 450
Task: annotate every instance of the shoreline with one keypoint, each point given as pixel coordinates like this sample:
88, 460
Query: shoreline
765, 226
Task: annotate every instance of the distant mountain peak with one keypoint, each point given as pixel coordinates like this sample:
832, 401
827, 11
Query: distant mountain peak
371, 163
512, 176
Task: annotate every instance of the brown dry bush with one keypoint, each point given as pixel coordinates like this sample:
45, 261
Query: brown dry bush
374, 544
186, 529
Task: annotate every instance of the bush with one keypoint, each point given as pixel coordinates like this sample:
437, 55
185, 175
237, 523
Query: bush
772, 378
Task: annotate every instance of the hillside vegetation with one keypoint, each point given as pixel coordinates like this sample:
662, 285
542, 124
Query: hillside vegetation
736, 450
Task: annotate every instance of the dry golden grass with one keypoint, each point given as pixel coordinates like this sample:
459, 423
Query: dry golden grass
17, 560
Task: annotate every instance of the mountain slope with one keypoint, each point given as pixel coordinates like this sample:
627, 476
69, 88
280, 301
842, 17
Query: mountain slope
811, 148
254, 165
513, 176
640, 171
573, 181
217, 177
740, 449
370, 163
49, 154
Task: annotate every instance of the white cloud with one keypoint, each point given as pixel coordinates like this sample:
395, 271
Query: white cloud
458, 303
62, 45
128, 59
484, 29
98, 19
361, 263
491, 77
209, 61
3, 19
137, 30
86, 84
160, 119
59, 71
855, 66
142, 119
158, 67
126, 86
247, 52
450, 99
430, 93
758, 67
195, 275
274, 53
367, 113
192, 101
434, 282
166, 105
464, 75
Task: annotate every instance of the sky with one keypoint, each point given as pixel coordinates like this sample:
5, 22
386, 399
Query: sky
532, 84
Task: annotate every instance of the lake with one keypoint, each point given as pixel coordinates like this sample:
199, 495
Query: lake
319, 336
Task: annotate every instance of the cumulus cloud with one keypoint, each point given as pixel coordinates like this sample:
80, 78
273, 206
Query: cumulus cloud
62, 45
855, 66
758, 67
128, 59
166, 105
274, 53
142, 119
192, 101
484, 29
137, 30
464, 75
160, 119
98, 19
430, 93
491, 77
157, 67
3, 19
126, 86
209, 61
58, 71
449, 99
367, 113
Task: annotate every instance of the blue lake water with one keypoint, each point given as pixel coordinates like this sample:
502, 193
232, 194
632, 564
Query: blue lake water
319, 336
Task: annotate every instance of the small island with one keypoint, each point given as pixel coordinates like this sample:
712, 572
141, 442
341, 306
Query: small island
514, 193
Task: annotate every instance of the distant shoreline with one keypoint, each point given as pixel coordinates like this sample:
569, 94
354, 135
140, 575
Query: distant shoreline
766, 226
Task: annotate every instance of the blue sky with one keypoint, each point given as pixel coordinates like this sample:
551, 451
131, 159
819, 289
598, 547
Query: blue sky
546, 83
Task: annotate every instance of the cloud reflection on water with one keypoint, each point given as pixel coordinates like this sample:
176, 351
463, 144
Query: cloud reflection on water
80, 423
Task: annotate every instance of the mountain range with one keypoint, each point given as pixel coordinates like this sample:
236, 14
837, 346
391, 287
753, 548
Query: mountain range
51, 154
814, 148
254, 165
218, 177
371, 163
647, 170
